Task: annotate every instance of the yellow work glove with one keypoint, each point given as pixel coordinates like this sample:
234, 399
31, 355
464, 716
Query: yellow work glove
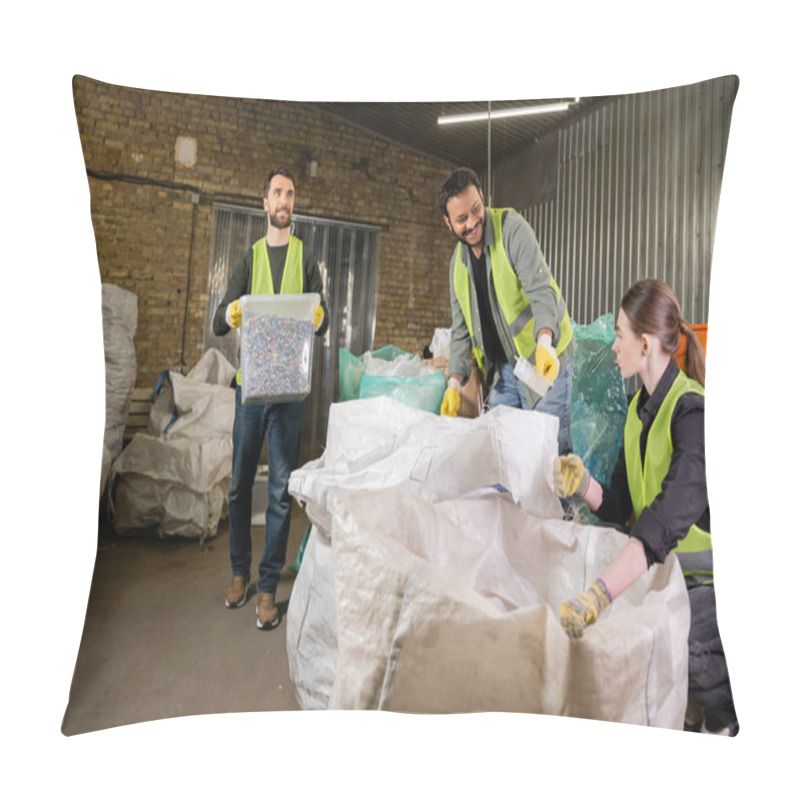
570, 476
584, 609
546, 358
452, 399
233, 314
319, 315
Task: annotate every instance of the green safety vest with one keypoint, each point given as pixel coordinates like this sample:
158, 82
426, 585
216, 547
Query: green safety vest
514, 304
644, 481
261, 278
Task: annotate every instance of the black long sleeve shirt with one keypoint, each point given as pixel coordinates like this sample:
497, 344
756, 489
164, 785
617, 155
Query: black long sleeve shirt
491, 340
683, 499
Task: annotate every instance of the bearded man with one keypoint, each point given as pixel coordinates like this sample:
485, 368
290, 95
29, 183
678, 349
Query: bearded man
276, 263
505, 307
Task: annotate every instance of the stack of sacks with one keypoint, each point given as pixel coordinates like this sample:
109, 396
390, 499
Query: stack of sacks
120, 318
175, 480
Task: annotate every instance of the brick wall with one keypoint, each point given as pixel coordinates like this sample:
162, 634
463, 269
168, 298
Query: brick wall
152, 238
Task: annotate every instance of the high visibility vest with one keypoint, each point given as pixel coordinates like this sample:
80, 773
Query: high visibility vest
261, 277
292, 281
515, 306
644, 480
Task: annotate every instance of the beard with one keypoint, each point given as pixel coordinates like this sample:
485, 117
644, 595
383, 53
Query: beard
462, 237
280, 222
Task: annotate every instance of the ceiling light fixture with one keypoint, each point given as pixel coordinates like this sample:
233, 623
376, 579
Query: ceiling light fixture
484, 116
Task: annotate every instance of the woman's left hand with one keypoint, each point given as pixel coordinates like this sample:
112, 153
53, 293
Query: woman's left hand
584, 609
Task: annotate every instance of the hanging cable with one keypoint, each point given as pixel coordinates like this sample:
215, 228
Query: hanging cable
489, 156
195, 202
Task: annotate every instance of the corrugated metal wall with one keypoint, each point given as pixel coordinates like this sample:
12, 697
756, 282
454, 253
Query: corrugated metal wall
637, 193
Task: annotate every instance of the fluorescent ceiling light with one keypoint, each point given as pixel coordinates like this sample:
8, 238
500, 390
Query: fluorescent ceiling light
519, 111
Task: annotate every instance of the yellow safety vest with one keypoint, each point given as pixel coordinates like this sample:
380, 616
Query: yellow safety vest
514, 304
261, 277
644, 480
292, 281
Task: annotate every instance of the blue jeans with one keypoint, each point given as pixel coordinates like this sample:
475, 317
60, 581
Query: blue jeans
509, 391
281, 423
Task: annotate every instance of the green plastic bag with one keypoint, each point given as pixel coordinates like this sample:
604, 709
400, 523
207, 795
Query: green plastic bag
421, 391
351, 368
599, 401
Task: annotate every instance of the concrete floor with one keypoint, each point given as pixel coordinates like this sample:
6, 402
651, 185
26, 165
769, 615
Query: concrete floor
158, 641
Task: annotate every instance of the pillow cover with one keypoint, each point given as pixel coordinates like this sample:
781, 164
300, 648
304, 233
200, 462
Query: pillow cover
158, 641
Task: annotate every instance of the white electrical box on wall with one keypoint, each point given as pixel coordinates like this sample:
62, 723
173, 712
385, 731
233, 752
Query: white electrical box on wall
186, 151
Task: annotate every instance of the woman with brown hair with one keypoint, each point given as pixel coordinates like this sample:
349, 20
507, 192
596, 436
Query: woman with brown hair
660, 482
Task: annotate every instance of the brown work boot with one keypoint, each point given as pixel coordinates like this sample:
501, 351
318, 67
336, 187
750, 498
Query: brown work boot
237, 592
267, 610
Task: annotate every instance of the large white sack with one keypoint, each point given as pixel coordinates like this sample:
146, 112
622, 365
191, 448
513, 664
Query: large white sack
176, 480
380, 442
176, 486
438, 594
453, 607
311, 625
213, 367
192, 409
199, 405
120, 319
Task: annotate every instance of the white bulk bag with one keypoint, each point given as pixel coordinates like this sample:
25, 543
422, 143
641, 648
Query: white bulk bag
176, 480
453, 607
378, 442
120, 317
191, 409
426, 588
177, 487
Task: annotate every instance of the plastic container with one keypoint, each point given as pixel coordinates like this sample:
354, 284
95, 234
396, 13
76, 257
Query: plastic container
527, 373
276, 347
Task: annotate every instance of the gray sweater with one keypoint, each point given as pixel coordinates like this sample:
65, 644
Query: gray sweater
527, 261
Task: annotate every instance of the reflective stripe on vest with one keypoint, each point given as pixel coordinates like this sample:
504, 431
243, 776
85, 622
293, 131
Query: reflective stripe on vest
461, 287
261, 278
644, 482
515, 306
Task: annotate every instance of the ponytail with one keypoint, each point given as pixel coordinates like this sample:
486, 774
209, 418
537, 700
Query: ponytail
652, 307
695, 361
